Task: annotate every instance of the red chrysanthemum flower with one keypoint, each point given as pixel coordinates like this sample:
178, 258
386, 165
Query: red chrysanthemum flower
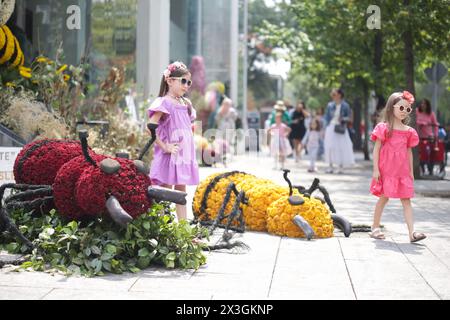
38, 162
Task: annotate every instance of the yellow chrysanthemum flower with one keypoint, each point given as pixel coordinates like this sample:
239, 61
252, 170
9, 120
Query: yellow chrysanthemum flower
64, 67
268, 208
25, 72
42, 59
280, 215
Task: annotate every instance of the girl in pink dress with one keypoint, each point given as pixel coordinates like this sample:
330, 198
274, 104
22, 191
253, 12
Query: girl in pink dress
174, 163
279, 143
392, 161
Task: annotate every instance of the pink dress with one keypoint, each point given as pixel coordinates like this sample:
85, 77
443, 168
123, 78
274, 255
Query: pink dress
395, 174
279, 143
426, 124
174, 127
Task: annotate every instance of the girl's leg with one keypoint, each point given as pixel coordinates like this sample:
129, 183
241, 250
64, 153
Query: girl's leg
300, 148
282, 158
379, 207
296, 152
181, 209
313, 156
275, 162
407, 211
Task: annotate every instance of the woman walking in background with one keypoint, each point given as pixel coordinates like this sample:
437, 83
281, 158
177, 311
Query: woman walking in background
298, 128
338, 146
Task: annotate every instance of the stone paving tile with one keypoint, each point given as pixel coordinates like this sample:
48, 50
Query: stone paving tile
22, 293
309, 269
434, 271
69, 294
44, 280
206, 283
380, 269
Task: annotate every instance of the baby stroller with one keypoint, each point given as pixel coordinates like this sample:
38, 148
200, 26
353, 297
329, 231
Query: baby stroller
432, 151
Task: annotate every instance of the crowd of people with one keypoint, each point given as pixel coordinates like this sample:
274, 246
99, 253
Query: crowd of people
318, 134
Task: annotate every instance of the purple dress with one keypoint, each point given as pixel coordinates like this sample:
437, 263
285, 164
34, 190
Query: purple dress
174, 127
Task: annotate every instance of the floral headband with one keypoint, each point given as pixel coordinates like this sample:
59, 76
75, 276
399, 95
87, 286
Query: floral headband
173, 67
408, 97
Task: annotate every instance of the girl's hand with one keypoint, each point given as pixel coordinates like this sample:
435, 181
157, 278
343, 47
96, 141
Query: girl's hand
376, 175
171, 148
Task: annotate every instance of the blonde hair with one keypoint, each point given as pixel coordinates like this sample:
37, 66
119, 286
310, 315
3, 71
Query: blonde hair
388, 112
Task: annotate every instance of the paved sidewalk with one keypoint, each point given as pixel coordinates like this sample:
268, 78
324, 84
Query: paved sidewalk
282, 268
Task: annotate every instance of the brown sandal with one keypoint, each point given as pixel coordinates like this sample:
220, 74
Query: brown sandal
420, 236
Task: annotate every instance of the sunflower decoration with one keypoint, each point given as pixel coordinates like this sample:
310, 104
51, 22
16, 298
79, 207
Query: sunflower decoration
265, 206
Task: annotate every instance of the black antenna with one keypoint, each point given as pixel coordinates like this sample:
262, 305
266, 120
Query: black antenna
285, 176
293, 200
83, 135
152, 127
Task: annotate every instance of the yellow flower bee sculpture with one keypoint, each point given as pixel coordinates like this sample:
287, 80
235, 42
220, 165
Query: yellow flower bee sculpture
238, 201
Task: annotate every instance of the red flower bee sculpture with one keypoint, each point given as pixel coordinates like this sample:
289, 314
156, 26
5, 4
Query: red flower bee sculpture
80, 184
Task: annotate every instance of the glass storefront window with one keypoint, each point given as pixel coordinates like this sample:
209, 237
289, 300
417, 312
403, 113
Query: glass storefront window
107, 33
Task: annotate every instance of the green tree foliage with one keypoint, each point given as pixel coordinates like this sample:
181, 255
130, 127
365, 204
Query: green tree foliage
332, 42
260, 83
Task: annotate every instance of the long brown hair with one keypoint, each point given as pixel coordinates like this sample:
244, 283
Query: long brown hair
179, 72
427, 104
388, 112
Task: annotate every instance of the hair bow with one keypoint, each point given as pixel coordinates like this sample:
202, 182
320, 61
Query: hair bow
172, 67
408, 97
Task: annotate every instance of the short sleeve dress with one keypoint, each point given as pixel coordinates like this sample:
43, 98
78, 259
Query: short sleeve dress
279, 143
174, 127
395, 174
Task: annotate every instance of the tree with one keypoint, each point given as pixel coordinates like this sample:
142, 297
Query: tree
260, 53
332, 42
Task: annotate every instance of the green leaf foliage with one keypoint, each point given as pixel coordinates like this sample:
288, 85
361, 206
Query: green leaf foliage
99, 246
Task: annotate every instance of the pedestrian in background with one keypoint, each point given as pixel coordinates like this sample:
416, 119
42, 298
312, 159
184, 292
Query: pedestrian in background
337, 143
298, 128
312, 142
279, 143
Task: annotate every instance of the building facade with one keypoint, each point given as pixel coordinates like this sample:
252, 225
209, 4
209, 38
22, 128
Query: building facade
140, 35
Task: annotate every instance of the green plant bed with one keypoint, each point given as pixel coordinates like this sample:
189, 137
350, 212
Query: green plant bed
93, 248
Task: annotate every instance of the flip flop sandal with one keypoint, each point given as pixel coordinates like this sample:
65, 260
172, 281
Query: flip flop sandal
377, 234
420, 236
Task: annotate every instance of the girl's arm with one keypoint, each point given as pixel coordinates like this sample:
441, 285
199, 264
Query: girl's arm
167, 148
376, 157
410, 158
436, 123
305, 138
288, 130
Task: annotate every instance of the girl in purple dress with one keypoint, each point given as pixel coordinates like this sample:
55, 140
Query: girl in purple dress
174, 163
